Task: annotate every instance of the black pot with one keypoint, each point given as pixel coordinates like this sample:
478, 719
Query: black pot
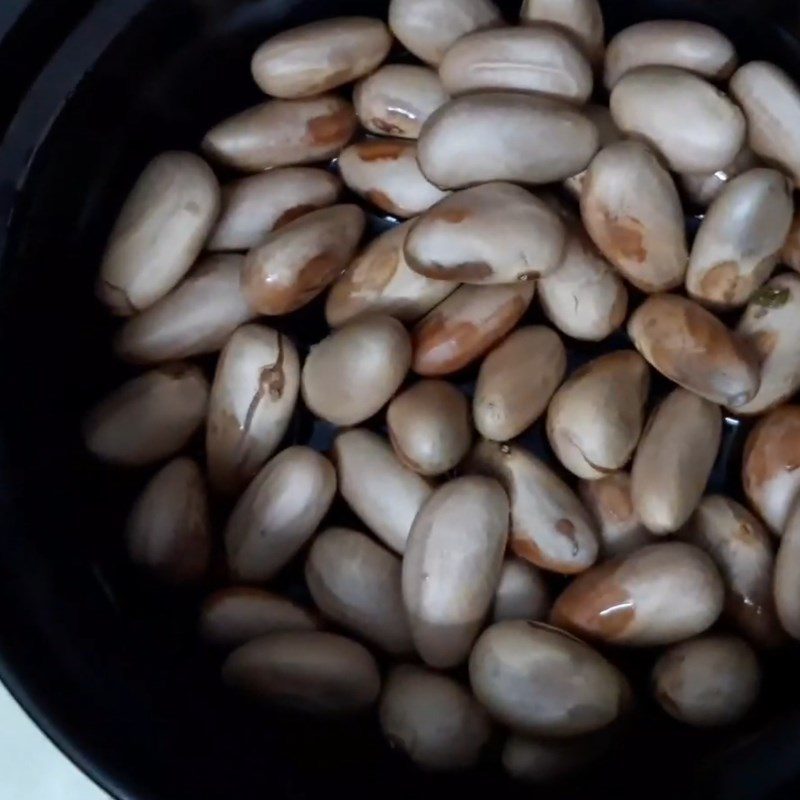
106, 664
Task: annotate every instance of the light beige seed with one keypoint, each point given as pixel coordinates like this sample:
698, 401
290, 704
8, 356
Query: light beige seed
354, 372
253, 398
595, 419
522, 593
786, 585
632, 212
298, 262
356, 583
740, 238
467, 324
620, 529
159, 233
681, 43
255, 206
542, 682
550, 528
398, 99
516, 381
278, 513
429, 427
428, 28
646, 102
771, 326
585, 297
493, 233
771, 102
583, 19
385, 172
283, 133
742, 550
452, 566
168, 531
384, 494
148, 418
539, 59
674, 461
504, 136
379, 281
319, 56
195, 318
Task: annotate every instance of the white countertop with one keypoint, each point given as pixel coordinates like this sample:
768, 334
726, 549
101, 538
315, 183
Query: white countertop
31, 767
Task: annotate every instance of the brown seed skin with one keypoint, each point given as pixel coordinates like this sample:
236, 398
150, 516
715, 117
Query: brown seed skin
695, 350
466, 325
660, 594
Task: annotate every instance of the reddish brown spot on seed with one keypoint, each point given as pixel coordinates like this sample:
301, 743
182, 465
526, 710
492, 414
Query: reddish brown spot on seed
291, 214
624, 238
381, 151
720, 284
334, 129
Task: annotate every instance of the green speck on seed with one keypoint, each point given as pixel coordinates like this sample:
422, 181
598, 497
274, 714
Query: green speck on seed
767, 297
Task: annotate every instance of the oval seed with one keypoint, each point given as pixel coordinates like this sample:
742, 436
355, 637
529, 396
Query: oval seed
309, 671
681, 43
771, 102
428, 28
195, 318
278, 513
452, 566
232, 617
674, 461
429, 427
297, 262
740, 238
253, 399
467, 324
356, 583
632, 211
537, 59
283, 133
493, 233
741, 548
549, 525
522, 593
380, 281
657, 595
353, 373
385, 172
646, 102
771, 326
708, 682
543, 682
255, 206
384, 494
398, 99
168, 530
583, 19
159, 233
504, 136
433, 719
695, 350
770, 477
585, 298
610, 502
320, 56
595, 419
516, 381
787, 575
148, 418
